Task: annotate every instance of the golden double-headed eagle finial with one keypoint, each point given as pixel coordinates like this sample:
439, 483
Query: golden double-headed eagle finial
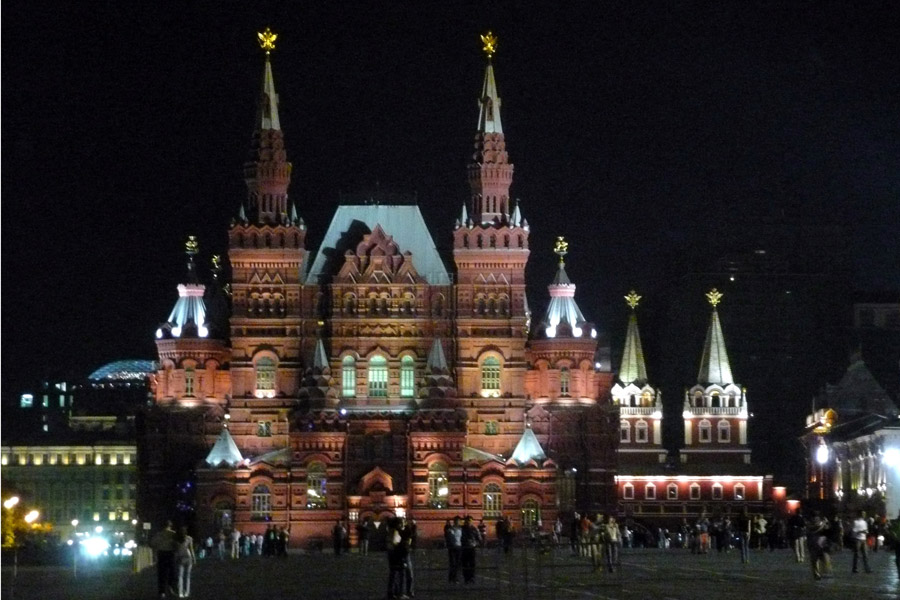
632, 299
714, 296
191, 246
267, 40
561, 247
490, 44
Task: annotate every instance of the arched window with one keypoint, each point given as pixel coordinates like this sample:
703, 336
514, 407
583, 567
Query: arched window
490, 377
717, 491
265, 378
438, 485
316, 488
739, 491
705, 431
531, 513
624, 431
378, 376
492, 500
628, 491
350, 304
724, 428
640, 432
715, 401
260, 503
695, 491
189, 381
407, 377
564, 381
672, 491
348, 377
650, 492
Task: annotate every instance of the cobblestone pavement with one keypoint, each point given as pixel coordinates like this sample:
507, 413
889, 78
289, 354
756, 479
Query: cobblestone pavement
665, 575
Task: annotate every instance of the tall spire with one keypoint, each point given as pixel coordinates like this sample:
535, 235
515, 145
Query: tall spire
714, 365
490, 173
267, 173
633, 368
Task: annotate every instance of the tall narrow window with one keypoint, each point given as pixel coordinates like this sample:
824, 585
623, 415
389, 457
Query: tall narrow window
260, 503
378, 377
624, 431
265, 378
650, 492
189, 381
717, 491
264, 429
695, 491
564, 381
705, 431
531, 513
348, 377
490, 377
640, 432
628, 491
438, 489
724, 428
739, 491
407, 377
316, 488
492, 501
672, 491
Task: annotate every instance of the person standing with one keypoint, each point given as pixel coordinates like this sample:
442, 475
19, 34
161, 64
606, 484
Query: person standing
817, 546
744, 529
235, 543
613, 540
797, 534
362, 533
482, 531
759, 531
184, 561
396, 553
164, 544
220, 545
453, 539
408, 534
860, 532
470, 541
337, 537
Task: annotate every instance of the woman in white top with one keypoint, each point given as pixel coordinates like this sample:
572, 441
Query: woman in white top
184, 561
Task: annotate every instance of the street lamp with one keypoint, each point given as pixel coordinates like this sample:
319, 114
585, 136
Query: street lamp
10, 502
32, 516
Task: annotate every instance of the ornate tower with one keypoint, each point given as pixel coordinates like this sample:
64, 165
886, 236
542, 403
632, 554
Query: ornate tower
267, 252
715, 410
640, 405
490, 250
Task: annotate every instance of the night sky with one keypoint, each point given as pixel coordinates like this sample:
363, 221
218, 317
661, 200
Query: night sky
637, 132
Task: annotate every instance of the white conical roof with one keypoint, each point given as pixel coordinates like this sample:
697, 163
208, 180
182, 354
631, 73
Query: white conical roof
528, 448
268, 105
489, 104
633, 368
320, 358
436, 359
562, 308
714, 365
224, 450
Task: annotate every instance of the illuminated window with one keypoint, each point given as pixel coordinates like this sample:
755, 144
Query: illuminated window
531, 513
408, 377
490, 377
705, 431
438, 488
26, 400
316, 486
112, 515
348, 377
260, 503
96, 516
695, 491
189, 381
125, 515
672, 492
717, 491
98, 459
378, 377
640, 432
624, 431
491, 428
739, 491
564, 381
628, 491
265, 378
724, 428
650, 492
492, 500
264, 429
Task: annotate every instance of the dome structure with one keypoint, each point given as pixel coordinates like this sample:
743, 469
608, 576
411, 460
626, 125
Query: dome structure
124, 370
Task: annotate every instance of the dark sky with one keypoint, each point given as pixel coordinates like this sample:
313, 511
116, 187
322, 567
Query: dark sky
637, 130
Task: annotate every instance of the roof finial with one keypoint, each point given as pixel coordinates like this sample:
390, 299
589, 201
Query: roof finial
714, 296
191, 246
490, 44
267, 40
561, 248
632, 299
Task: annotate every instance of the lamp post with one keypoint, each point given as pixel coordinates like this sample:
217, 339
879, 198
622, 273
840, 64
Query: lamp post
75, 548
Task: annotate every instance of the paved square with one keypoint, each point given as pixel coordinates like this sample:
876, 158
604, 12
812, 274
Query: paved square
668, 575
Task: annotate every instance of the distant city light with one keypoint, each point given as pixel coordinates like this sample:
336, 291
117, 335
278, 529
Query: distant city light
32, 517
10, 502
95, 546
891, 457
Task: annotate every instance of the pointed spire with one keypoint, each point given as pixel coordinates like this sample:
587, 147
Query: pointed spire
267, 114
516, 220
464, 215
224, 451
489, 103
633, 368
294, 218
242, 214
528, 448
436, 360
714, 364
320, 358
562, 309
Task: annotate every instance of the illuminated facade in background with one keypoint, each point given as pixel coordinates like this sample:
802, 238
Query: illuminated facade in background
365, 378
713, 473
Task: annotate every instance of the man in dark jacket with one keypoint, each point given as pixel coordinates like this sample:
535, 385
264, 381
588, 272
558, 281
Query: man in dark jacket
471, 539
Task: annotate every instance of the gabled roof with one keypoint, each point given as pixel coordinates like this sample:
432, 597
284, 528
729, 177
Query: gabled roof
224, 451
528, 448
404, 223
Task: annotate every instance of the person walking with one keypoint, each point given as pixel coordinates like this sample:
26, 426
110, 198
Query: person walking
744, 529
612, 541
860, 547
396, 554
164, 544
597, 539
184, 561
817, 546
408, 534
797, 534
453, 539
470, 541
